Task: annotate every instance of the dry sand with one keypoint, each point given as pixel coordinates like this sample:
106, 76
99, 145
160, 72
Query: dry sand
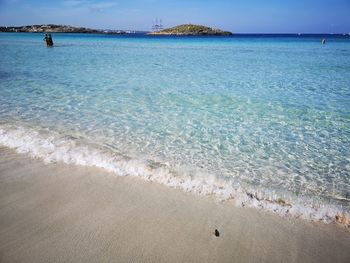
63, 213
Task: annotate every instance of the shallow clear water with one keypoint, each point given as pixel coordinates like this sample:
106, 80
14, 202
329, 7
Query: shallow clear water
266, 117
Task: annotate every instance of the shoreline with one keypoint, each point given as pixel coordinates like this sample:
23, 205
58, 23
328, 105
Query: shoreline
60, 212
53, 147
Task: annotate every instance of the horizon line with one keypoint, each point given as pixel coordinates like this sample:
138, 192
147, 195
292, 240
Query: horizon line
146, 31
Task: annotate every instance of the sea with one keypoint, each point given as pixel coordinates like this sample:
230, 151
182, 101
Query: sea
263, 120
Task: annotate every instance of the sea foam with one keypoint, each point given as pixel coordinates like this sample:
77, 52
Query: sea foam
55, 147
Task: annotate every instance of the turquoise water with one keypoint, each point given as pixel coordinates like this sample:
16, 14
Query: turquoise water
250, 118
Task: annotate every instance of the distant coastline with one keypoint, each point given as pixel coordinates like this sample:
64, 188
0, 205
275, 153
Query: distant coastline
52, 28
183, 30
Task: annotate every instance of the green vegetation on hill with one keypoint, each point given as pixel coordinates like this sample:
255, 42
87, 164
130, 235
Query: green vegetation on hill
189, 29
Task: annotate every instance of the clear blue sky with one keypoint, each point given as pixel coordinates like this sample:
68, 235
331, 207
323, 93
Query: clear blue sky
239, 16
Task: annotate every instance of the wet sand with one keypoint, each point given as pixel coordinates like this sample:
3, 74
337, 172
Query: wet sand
66, 213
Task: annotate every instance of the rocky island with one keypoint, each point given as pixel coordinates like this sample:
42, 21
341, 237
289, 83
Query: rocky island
192, 30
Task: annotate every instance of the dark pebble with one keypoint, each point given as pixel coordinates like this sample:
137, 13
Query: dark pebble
216, 233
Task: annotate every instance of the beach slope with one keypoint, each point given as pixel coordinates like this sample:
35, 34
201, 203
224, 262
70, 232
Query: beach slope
63, 213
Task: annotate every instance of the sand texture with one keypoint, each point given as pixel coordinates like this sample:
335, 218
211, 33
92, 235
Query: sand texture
63, 213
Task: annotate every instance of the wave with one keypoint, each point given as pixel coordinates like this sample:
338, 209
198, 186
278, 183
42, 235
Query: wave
52, 147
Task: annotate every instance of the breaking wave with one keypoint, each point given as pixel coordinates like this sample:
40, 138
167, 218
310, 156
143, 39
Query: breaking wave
55, 147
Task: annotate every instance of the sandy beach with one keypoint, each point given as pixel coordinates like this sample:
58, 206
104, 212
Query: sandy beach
63, 213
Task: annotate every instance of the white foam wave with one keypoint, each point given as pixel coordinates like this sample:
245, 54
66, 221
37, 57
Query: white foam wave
54, 147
